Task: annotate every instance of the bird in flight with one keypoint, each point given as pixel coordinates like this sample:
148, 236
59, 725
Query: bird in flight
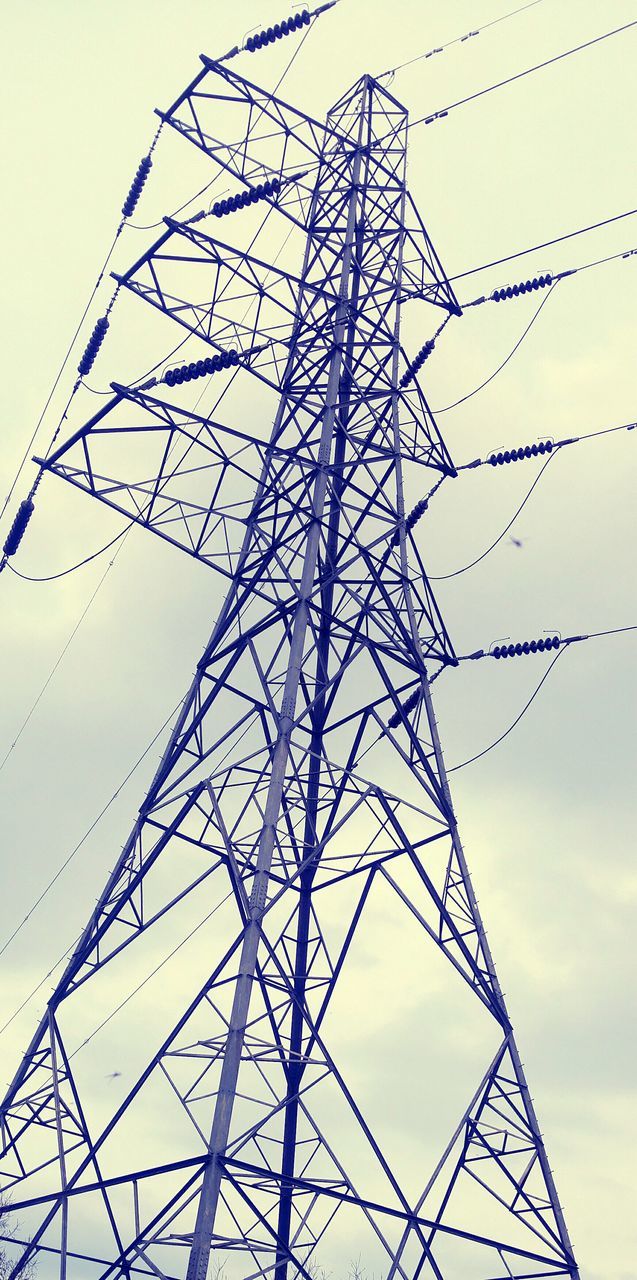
113, 1075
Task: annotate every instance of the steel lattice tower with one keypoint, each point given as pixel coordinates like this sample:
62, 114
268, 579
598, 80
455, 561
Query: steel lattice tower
303, 770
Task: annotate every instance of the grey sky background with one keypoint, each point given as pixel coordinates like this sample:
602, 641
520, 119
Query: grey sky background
548, 817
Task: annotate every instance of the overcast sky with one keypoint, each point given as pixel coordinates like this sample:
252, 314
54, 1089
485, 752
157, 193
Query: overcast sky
548, 817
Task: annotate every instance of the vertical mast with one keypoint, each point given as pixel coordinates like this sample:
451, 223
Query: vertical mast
200, 1251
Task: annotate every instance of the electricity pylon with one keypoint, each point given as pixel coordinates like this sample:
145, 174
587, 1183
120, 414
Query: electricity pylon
304, 770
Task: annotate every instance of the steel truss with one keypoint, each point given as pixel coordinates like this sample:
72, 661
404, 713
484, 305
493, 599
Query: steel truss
296, 777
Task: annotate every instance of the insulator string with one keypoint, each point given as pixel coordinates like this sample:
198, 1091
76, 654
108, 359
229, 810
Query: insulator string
65, 361
524, 287
523, 453
414, 366
295, 55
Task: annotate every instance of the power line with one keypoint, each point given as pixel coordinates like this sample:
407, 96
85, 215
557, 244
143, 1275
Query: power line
542, 645
98, 282
497, 296
64, 650
89, 831
392, 71
132, 993
480, 93
512, 455
523, 287
470, 394
126, 531
152, 974
35, 990
443, 577
564, 645
613, 631
454, 768
52, 577
563, 275
519, 455
545, 244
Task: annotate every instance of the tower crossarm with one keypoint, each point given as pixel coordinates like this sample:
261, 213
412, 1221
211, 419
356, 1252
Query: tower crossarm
423, 273
250, 133
241, 302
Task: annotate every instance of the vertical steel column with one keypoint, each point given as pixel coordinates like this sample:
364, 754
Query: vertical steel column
64, 1230
296, 1065
209, 1196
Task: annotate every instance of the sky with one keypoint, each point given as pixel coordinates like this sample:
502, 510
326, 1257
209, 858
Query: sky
548, 816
